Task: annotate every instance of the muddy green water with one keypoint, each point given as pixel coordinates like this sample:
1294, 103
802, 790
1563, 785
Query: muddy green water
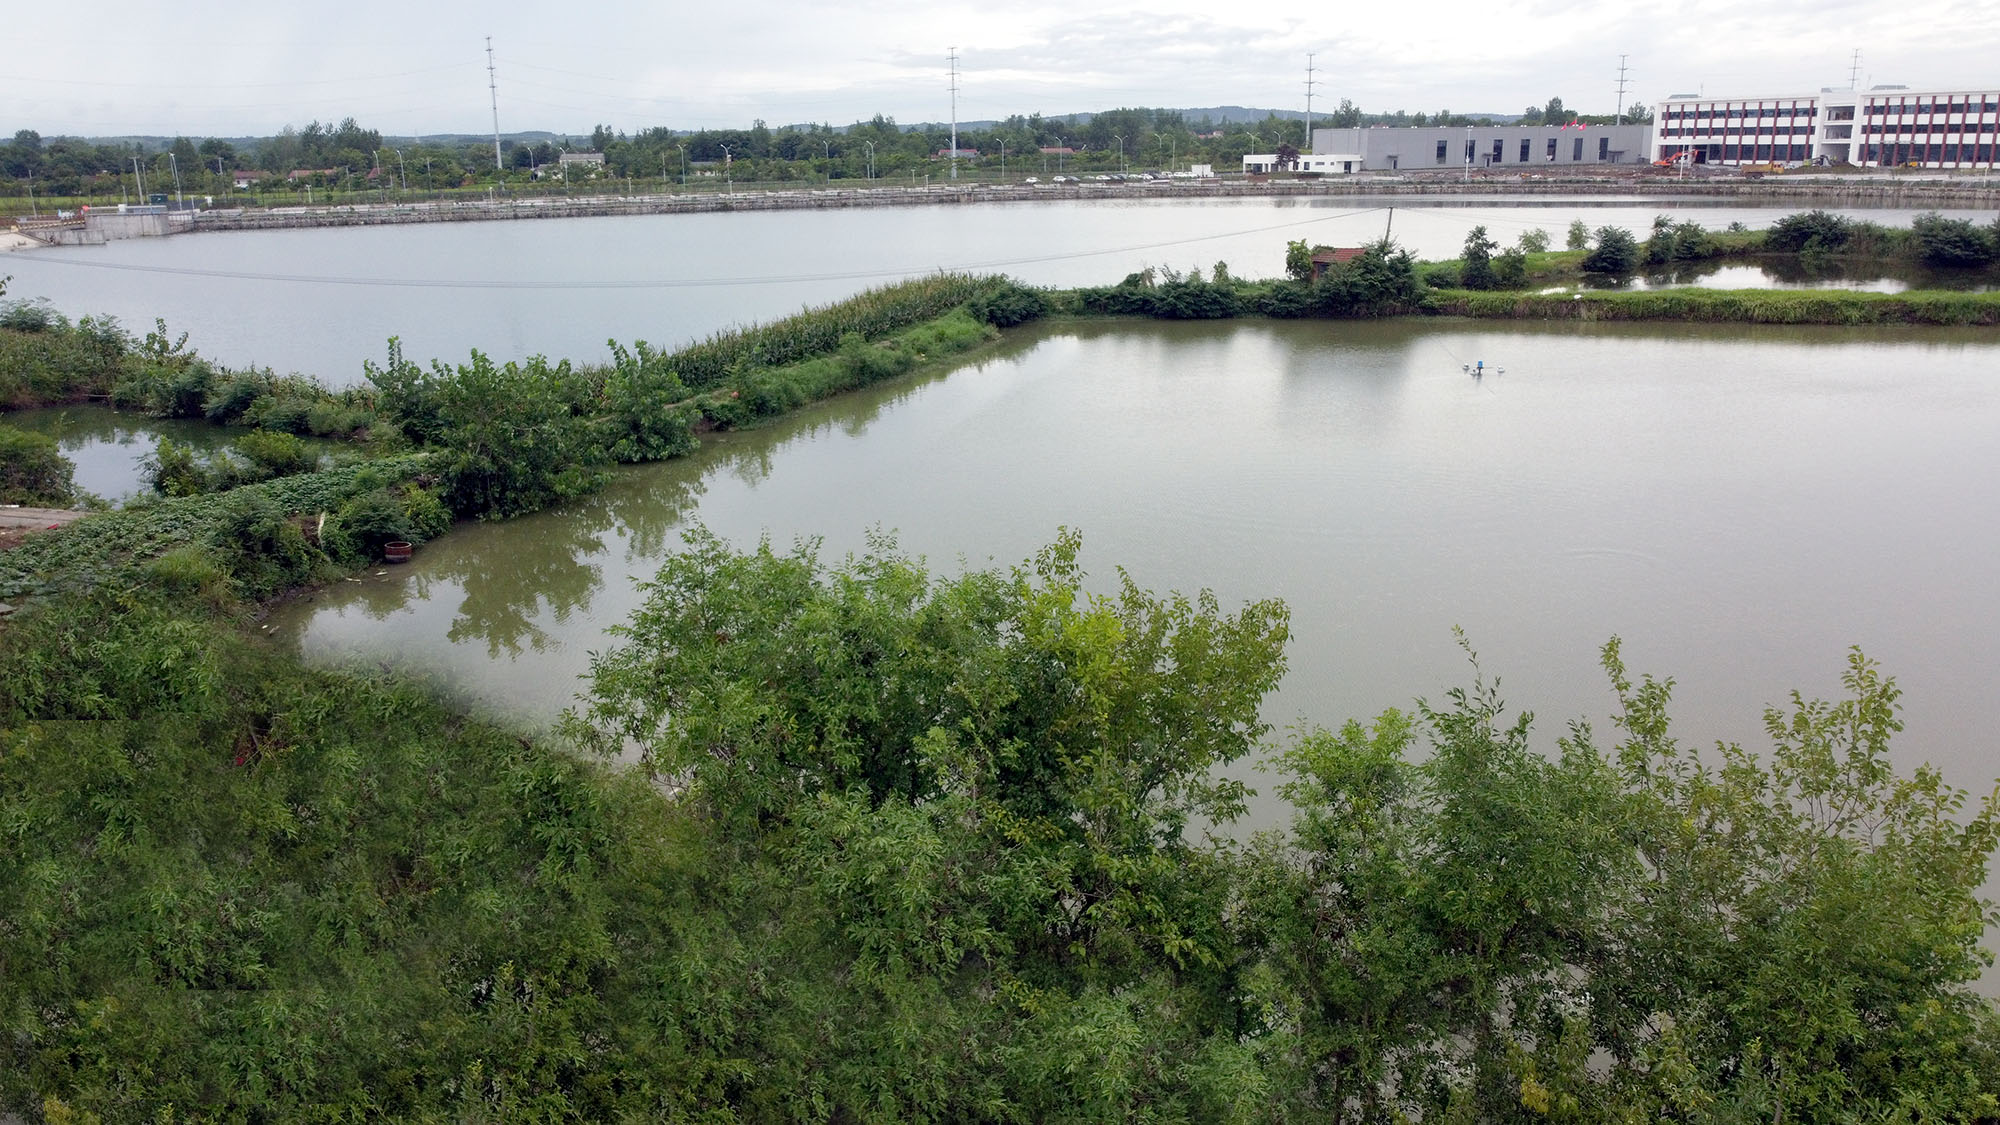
110, 447
1740, 505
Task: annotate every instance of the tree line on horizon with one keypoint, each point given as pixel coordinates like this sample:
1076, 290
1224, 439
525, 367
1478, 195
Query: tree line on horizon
346, 154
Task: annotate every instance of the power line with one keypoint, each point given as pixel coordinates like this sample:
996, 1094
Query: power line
681, 283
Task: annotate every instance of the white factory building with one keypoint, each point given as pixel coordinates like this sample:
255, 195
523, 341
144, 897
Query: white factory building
1881, 127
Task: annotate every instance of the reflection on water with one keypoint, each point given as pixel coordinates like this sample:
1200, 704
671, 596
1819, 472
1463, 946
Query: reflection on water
109, 447
1793, 272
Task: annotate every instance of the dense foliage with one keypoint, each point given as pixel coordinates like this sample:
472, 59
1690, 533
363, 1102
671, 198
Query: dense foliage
33, 471
911, 847
1616, 252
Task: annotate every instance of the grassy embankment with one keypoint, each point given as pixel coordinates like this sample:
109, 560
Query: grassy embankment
930, 863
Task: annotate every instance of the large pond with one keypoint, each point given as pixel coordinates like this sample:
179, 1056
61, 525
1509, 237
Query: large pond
322, 301
1740, 505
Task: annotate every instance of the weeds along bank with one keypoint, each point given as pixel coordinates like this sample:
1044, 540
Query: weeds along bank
903, 845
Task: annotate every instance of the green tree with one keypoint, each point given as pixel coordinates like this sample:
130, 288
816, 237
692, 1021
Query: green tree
1298, 260
1578, 237
1533, 241
1476, 266
1616, 252
1952, 243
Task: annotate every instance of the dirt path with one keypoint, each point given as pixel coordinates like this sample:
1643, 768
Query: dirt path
17, 523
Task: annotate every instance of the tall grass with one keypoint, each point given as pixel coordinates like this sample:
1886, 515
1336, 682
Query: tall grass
871, 315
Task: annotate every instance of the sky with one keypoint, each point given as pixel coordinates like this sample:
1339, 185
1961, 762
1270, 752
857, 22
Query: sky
415, 67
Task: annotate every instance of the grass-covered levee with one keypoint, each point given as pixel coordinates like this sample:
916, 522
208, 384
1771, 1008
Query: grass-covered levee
861, 841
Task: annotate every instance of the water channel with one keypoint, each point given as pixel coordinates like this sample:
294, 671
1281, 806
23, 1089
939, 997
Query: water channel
1741, 505
322, 301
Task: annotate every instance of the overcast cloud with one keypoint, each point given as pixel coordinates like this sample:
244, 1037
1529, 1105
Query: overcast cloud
204, 68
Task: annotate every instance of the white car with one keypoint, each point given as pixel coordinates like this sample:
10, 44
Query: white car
1031, 180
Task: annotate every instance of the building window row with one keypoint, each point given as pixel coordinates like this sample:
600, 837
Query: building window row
1897, 155
1935, 129
1988, 104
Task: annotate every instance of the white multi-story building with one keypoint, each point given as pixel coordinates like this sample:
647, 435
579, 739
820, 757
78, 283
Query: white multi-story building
1882, 127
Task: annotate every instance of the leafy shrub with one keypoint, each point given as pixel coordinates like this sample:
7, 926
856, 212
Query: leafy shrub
1125, 299
1191, 298
234, 395
175, 469
289, 414
332, 418
1286, 300
31, 316
512, 438
358, 531
1381, 280
1510, 270
1009, 304
33, 470
261, 547
275, 454
1534, 241
1616, 252
1816, 229
646, 415
427, 516
1952, 243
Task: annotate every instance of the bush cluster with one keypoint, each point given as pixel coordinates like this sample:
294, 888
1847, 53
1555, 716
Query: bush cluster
33, 470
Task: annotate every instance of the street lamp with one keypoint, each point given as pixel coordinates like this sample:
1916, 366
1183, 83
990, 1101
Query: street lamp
684, 163
728, 175
871, 158
1121, 153
176, 164
1173, 149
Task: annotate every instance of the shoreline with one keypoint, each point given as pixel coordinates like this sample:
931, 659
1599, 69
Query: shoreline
1817, 190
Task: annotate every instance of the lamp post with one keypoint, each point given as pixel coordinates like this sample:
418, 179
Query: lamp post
871, 158
728, 175
1003, 161
1173, 149
684, 163
175, 163
1121, 154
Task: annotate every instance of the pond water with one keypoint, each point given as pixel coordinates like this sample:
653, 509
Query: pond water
1740, 505
322, 301
1791, 275
109, 447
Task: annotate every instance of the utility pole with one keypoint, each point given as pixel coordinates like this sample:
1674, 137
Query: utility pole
1309, 101
953, 59
1854, 72
493, 88
1619, 117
